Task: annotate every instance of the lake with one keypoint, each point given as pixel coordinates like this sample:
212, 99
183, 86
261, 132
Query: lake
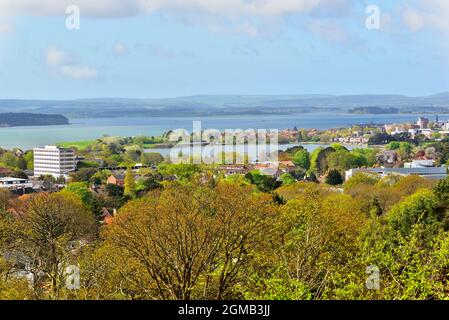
92, 128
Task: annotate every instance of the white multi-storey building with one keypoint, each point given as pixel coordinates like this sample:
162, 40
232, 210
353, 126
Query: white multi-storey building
54, 161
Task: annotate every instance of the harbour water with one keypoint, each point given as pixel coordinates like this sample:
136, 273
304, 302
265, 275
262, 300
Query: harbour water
93, 128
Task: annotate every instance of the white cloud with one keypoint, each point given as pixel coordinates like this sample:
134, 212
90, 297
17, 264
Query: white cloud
55, 56
120, 49
111, 8
238, 7
60, 63
421, 14
413, 20
220, 16
79, 72
97, 8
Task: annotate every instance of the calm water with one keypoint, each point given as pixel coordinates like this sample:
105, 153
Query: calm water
87, 129
251, 150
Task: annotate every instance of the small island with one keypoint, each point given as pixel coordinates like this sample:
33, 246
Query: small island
31, 119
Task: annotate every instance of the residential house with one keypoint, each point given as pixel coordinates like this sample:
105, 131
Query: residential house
118, 179
107, 216
269, 169
230, 170
387, 158
19, 152
287, 166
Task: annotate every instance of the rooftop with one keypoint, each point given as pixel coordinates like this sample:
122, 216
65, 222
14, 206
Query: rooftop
10, 179
417, 171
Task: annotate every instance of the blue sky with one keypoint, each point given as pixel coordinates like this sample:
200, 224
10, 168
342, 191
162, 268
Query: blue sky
169, 48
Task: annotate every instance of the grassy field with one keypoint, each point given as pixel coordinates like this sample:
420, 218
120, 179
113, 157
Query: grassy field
80, 145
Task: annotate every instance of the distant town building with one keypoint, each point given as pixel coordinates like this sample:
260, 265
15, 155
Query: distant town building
433, 173
15, 184
423, 123
425, 132
445, 126
420, 164
54, 161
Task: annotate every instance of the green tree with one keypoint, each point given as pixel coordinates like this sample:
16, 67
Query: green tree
47, 227
183, 172
442, 191
29, 158
406, 147
130, 183
394, 145
149, 184
263, 182
114, 190
190, 241
360, 178
422, 207
12, 288
313, 239
151, 158
5, 200
342, 160
334, 178
19, 174
100, 177
365, 157
21, 163
9, 160
133, 153
302, 159
82, 191
319, 160
287, 179
82, 175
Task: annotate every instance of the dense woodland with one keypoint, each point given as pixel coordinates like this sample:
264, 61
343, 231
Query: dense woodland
31, 119
210, 238
204, 235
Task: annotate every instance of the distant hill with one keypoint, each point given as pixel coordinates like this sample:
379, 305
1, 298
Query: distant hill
374, 110
31, 119
209, 105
